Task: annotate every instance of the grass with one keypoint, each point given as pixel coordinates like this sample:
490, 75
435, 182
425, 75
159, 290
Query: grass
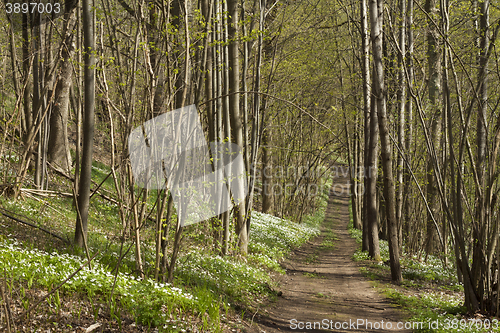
311, 258
201, 278
142, 298
313, 275
328, 243
208, 291
430, 294
321, 295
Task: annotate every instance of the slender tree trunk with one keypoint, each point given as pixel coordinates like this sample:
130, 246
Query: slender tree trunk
13, 59
376, 16
88, 125
244, 88
401, 97
36, 90
226, 118
479, 230
210, 75
186, 99
434, 90
234, 103
358, 172
77, 96
160, 225
218, 110
371, 174
209, 95
409, 129
256, 122
165, 235
175, 252
365, 69
26, 74
267, 184
136, 225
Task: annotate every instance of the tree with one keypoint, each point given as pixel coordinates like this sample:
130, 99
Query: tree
401, 97
434, 91
88, 126
370, 241
28, 116
376, 18
234, 104
58, 147
408, 71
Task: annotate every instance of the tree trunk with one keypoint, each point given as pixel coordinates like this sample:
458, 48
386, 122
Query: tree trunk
434, 90
401, 97
58, 148
409, 129
376, 15
479, 263
256, 122
226, 221
267, 196
88, 126
28, 117
365, 69
371, 174
164, 238
37, 88
234, 103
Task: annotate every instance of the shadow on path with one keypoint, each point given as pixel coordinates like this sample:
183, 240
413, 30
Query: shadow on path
324, 287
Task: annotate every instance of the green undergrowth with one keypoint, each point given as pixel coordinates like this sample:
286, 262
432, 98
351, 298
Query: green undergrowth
204, 287
207, 287
439, 311
144, 299
430, 293
243, 279
275, 237
415, 269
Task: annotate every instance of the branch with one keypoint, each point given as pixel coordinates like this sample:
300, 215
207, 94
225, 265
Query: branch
279, 99
7, 213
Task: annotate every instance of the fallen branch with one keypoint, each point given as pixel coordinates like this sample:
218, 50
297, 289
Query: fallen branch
46, 193
97, 190
46, 204
9, 214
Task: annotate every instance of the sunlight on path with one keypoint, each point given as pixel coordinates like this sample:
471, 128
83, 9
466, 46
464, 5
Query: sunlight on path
323, 290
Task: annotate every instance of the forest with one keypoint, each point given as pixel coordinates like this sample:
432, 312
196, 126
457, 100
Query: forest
284, 109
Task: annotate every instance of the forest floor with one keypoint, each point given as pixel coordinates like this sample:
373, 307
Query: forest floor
323, 286
326, 287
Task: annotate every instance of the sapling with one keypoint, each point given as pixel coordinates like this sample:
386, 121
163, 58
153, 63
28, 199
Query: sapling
57, 300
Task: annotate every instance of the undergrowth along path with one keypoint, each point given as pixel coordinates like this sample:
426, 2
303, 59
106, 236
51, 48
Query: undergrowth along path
323, 289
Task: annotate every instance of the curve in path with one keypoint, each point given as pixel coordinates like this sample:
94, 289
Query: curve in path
323, 290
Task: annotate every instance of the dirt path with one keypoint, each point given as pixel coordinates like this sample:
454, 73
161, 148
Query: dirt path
325, 286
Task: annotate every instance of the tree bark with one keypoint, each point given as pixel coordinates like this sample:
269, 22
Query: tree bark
234, 103
434, 90
401, 97
409, 129
267, 197
365, 68
371, 174
481, 226
58, 148
28, 117
88, 125
376, 16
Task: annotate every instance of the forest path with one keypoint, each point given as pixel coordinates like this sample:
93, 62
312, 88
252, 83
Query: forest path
324, 285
